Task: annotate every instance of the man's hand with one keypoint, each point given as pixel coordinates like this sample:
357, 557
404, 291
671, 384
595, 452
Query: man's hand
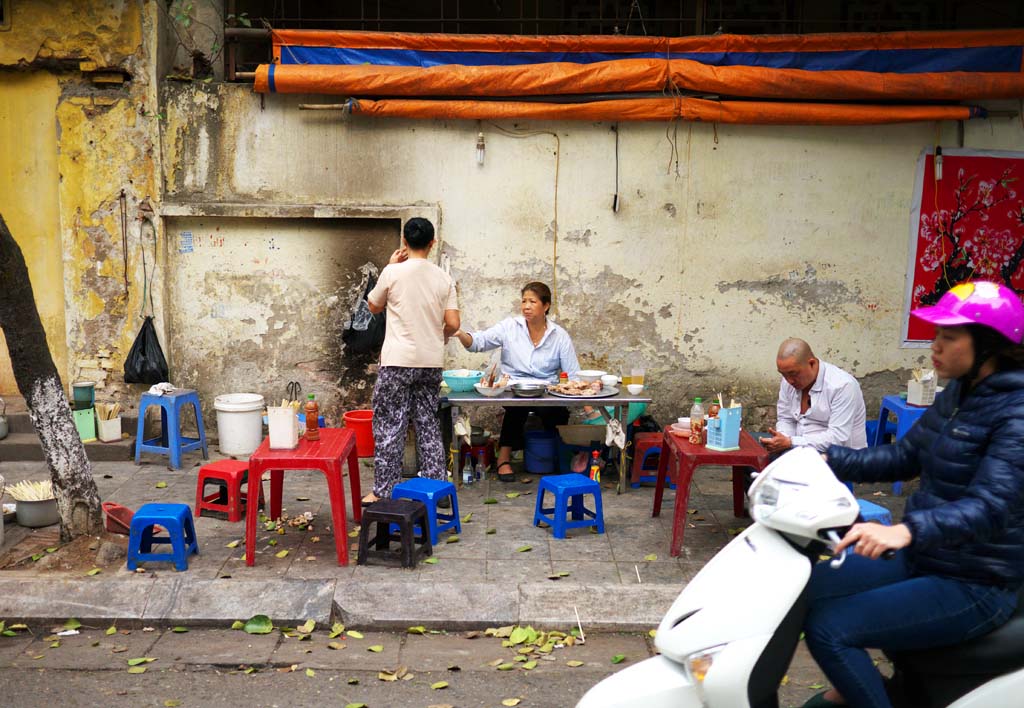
872, 540
777, 442
400, 254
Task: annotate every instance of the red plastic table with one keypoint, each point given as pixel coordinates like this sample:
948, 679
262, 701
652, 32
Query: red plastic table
687, 458
325, 455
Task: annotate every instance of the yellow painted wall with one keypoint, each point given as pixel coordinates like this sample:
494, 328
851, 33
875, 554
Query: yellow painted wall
29, 203
103, 32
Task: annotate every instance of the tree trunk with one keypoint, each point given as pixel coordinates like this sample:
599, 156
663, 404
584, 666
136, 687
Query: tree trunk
78, 500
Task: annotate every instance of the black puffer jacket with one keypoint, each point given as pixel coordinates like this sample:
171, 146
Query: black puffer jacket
967, 520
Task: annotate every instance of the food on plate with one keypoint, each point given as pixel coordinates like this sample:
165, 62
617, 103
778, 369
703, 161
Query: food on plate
500, 383
576, 388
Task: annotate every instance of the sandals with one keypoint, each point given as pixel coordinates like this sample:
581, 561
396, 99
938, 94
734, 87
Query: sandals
366, 501
506, 478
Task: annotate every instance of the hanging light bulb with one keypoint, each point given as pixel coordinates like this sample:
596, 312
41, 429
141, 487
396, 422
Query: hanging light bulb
480, 147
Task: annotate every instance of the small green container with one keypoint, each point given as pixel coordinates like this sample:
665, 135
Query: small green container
85, 421
84, 394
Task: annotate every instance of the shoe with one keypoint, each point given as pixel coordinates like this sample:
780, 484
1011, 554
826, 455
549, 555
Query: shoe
819, 701
505, 478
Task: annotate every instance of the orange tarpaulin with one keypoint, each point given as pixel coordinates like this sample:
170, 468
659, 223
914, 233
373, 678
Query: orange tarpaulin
663, 109
781, 75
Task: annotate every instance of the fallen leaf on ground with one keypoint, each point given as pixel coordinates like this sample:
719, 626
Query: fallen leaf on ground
281, 554
71, 623
172, 703
310, 673
490, 500
136, 669
524, 549
574, 663
511, 702
111, 630
467, 518
335, 645
238, 624
532, 664
307, 626
336, 629
452, 539
353, 682
491, 532
438, 685
95, 571
386, 676
431, 561
354, 634
141, 660
651, 557
161, 485
506, 667
355, 705
375, 648
618, 658
233, 544
259, 624
816, 686
417, 630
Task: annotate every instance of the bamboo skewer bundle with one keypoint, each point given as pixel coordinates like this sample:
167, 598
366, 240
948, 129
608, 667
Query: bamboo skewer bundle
107, 411
31, 491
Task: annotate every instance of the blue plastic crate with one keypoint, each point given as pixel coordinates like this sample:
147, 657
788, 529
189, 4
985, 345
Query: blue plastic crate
724, 431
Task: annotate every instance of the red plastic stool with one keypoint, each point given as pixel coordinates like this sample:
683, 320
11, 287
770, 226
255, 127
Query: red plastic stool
646, 452
229, 476
474, 451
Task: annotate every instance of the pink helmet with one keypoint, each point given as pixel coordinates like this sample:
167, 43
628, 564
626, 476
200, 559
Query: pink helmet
980, 302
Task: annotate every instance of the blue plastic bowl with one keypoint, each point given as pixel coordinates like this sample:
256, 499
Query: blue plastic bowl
461, 384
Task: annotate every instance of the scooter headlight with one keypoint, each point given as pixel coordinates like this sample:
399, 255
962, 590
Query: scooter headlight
699, 664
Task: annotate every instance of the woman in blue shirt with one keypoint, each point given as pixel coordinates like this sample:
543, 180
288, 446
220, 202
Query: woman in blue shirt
532, 348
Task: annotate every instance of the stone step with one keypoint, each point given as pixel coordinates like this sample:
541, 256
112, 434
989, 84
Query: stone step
25, 447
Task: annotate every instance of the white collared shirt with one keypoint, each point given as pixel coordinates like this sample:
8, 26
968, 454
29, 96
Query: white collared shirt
836, 414
520, 359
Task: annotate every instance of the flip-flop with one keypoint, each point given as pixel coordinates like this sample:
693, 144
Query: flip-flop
506, 478
366, 503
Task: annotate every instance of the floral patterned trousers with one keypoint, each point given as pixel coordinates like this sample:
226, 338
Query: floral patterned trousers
400, 394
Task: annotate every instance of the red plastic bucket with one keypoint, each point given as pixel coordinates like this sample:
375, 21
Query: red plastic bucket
361, 424
119, 518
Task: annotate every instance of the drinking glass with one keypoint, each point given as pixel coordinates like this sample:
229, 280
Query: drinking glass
637, 376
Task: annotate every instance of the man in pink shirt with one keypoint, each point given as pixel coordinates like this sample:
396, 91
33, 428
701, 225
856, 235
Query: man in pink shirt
422, 312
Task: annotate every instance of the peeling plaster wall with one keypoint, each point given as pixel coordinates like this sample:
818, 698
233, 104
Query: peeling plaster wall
104, 129
261, 302
753, 234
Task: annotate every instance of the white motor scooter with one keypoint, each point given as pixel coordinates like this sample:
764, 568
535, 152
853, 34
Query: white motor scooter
728, 638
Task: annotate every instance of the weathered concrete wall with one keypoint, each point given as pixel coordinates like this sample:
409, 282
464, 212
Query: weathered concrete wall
79, 79
764, 232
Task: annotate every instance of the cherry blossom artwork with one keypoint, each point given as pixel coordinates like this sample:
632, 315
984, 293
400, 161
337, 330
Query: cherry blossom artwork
967, 224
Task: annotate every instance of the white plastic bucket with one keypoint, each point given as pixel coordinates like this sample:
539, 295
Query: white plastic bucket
239, 422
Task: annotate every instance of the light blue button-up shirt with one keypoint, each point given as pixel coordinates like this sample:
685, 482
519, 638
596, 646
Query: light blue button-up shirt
520, 359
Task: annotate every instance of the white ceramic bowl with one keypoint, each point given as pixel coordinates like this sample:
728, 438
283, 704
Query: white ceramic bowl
590, 375
489, 391
635, 389
609, 380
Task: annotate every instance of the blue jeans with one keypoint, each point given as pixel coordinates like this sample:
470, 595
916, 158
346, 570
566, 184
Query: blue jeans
880, 604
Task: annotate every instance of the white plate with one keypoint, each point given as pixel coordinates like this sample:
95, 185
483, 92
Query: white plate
603, 393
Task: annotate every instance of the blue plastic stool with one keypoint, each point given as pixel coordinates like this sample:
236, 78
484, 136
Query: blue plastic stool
430, 491
568, 490
181, 534
171, 442
874, 512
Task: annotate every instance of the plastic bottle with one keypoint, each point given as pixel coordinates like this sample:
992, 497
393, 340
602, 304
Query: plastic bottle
595, 466
481, 468
697, 422
312, 418
467, 469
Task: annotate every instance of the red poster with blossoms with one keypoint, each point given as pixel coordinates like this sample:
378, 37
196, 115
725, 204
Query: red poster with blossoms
966, 225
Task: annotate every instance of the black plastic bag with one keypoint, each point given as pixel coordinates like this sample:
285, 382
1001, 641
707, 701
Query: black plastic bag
145, 363
365, 333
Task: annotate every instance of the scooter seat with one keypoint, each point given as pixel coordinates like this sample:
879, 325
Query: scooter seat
997, 652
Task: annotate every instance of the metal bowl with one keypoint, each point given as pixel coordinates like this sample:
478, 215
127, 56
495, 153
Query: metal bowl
528, 390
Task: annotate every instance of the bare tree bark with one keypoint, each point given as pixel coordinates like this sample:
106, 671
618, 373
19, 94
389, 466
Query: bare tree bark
78, 500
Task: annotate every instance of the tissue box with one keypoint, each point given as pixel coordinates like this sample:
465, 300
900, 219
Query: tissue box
724, 431
921, 393
109, 430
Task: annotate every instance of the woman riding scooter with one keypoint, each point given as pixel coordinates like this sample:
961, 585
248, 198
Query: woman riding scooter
959, 551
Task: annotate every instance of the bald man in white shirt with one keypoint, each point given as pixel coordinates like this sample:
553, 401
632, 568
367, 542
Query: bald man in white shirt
819, 404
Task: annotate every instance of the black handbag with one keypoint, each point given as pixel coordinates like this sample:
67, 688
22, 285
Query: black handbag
146, 363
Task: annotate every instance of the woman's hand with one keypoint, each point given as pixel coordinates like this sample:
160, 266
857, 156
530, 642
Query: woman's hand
872, 540
399, 255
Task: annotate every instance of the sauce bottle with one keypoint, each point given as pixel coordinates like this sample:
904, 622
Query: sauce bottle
697, 422
312, 419
595, 466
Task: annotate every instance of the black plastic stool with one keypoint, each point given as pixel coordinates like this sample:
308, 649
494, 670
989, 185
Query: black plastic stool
406, 514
